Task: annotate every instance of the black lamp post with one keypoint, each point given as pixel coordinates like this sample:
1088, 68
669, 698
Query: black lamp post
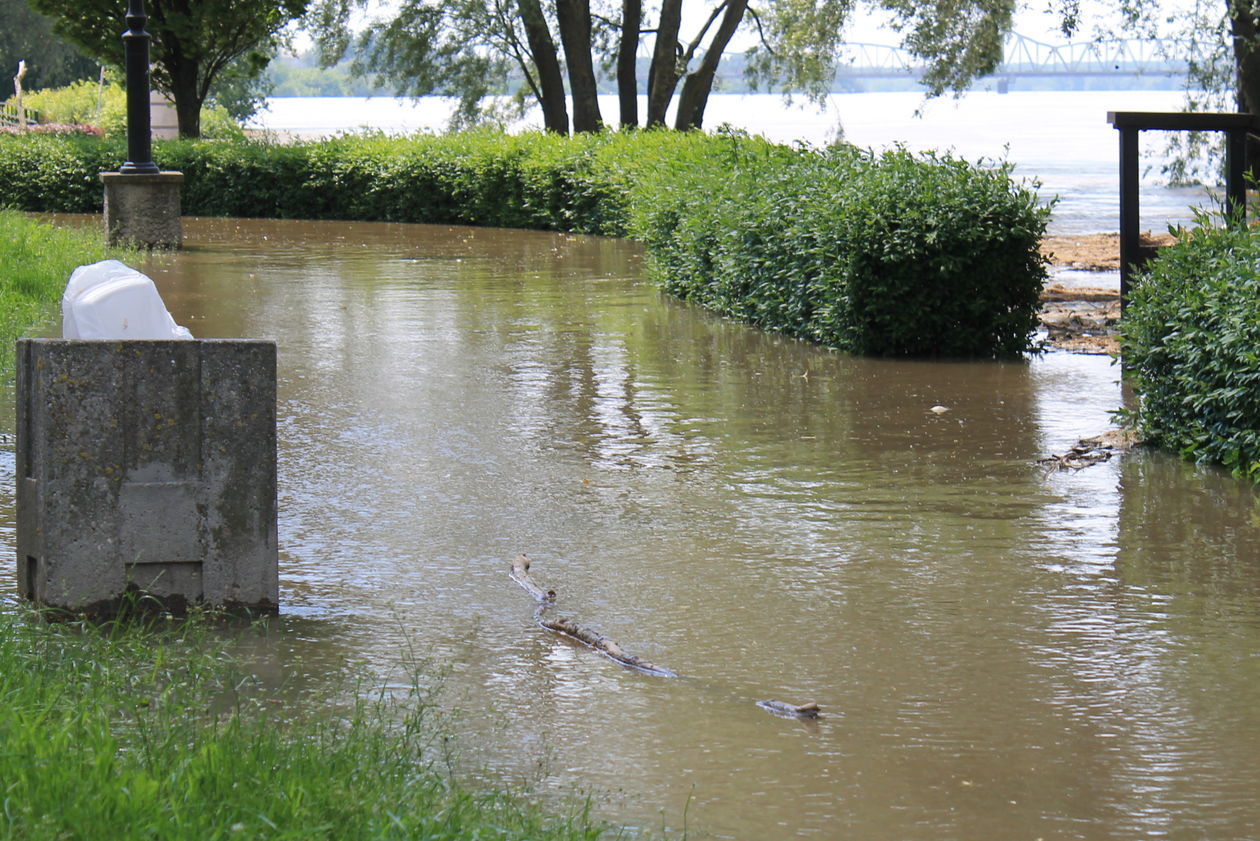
136, 54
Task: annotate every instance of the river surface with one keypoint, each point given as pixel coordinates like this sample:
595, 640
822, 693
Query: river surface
999, 653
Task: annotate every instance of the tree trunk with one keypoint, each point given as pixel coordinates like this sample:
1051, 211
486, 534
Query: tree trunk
186, 95
574, 18
698, 85
664, 74
627, 53
550, 81
1244, 29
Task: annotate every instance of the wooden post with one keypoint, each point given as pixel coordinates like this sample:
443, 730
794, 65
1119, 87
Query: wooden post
1237, 127
17, 94
1130, 214
1235, 176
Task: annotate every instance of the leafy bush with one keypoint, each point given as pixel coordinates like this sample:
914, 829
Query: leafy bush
1191, 343
83, 103
103, 109
887, 254
874, 254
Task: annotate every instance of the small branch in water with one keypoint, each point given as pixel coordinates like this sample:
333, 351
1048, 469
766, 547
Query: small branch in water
1090, 451
569, 628
786, 710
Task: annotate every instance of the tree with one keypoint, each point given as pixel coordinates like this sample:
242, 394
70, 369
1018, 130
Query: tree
197, 44
50, 62
517, 42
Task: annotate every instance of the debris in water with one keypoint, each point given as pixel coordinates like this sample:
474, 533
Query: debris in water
783, 708
1091, 451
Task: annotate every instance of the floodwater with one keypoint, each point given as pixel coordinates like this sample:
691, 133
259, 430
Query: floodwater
999, 654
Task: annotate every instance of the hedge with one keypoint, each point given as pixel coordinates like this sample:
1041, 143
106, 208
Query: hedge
1191, 343
891, 254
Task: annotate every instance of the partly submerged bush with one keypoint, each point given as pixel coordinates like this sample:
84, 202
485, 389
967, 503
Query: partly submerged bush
1191, 343
875, 254
891, 254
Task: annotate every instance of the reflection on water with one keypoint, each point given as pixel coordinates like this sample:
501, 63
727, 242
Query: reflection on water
999, 653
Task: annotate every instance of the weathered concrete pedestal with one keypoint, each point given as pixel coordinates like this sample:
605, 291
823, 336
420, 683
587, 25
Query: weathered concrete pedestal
143, 209
147, 466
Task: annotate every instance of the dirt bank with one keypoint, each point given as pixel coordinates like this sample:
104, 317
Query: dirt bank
1094, 252
1083, 319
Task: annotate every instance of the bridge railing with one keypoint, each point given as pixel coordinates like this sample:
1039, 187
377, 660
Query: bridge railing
1026, 56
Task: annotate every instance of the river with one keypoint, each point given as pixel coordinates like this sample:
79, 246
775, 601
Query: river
998, 653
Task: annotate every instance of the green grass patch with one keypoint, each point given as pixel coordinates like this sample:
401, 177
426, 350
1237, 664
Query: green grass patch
144, 731
36, 260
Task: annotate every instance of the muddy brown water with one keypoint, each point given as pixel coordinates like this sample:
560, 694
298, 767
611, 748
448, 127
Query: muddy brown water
999, 654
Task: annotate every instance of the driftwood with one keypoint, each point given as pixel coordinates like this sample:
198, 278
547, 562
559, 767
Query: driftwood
1090, 451
546, 599
562, 625
783, 708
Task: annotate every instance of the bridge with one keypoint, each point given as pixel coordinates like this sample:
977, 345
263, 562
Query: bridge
1026, 57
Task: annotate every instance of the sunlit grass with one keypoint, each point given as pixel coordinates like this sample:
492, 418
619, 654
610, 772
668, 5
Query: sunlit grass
35, 261
137, 731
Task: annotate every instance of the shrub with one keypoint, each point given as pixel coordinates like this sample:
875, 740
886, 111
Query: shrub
874, 254
102, 109
888, 254
83, 103
1191, 343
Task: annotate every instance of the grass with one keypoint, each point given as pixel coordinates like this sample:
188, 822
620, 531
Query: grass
35, 262
145, 730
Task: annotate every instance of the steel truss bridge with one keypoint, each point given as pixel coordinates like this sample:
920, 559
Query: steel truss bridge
1025, 57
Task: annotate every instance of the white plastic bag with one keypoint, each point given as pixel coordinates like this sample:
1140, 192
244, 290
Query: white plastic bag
110, 300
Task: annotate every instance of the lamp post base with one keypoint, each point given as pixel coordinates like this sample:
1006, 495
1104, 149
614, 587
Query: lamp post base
143, 209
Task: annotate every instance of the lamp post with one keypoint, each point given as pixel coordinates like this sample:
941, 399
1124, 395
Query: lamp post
136, 56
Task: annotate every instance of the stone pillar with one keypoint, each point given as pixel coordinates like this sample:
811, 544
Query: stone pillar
143, 209
147, 467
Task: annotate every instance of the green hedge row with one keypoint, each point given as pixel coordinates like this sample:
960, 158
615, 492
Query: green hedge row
890, 254
1191, 343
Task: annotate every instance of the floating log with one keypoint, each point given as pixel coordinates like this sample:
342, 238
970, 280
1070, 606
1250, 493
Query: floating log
786, 710
546, 599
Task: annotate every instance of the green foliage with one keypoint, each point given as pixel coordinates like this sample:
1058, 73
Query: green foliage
56, 174
135, 731
85, 102
889, 254
198, 49
1191, 344
35, 263
27, 36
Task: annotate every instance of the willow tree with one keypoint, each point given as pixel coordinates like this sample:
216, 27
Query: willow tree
196, 45
471, 48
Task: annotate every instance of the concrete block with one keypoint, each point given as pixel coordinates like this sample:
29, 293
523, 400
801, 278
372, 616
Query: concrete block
143, 210
150, 466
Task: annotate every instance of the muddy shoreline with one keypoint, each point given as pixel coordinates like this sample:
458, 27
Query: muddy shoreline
1085, 319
